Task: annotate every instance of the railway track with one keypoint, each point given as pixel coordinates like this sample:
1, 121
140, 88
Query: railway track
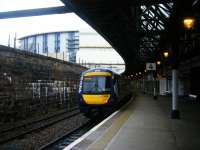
67, 139
62, 142
36, 125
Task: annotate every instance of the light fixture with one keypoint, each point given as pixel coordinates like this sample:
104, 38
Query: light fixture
140, 73
158, 62
166, 54
188, 23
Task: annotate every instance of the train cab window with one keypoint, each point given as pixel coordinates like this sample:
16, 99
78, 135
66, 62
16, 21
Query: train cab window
96, 84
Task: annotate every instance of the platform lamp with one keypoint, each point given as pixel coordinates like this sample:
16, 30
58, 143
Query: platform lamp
158, 68
131, 76
165, 54
188, 23
158, 62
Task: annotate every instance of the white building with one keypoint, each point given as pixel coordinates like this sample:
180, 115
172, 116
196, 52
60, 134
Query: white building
87, 48
62, 45
95, 51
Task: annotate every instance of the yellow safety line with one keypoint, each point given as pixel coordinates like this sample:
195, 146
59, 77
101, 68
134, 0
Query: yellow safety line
103, 141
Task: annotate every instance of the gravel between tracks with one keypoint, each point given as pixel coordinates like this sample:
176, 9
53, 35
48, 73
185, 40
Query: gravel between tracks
37, 139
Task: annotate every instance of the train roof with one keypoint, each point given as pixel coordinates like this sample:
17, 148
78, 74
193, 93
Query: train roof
100, 70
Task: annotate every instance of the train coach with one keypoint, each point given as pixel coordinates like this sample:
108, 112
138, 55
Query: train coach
101, 91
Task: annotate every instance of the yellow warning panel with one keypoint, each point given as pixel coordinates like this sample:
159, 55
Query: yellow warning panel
96, 99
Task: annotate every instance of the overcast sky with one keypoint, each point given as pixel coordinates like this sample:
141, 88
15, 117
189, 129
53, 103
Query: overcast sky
31, 25
40, 24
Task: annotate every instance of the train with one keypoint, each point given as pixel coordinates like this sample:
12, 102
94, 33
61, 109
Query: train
101, 91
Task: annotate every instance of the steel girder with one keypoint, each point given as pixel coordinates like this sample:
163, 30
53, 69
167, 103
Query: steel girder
133, 28
35, 12
153, 19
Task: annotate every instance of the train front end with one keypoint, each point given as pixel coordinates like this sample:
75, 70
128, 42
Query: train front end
96, 92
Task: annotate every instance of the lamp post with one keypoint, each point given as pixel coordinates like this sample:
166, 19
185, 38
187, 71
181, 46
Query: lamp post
188, 25
165, 58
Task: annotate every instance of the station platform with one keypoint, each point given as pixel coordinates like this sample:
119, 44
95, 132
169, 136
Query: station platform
145, 124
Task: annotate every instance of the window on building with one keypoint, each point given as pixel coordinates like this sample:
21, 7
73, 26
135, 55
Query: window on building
26, 43
34, 45
57, 42
73, 45
45, 43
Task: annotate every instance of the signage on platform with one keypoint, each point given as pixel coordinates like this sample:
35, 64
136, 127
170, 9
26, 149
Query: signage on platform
150, 66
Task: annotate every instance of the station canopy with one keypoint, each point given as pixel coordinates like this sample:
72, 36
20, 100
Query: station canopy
137, 29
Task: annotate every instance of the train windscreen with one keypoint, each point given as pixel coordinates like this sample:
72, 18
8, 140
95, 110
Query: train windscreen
96, 84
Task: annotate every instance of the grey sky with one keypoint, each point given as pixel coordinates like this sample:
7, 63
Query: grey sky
40, 24
31, 25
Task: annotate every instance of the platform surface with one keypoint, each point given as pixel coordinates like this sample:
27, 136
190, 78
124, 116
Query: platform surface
145, 124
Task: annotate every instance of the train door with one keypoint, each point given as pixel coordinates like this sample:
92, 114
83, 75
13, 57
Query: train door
116, 87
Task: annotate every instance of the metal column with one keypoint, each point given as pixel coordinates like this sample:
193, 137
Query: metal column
175, 114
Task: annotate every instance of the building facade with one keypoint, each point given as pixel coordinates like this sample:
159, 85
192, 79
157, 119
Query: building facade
86, 48
61, 45
95, 51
